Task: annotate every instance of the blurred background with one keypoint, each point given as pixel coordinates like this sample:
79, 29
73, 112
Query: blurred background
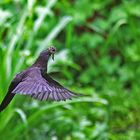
98, 54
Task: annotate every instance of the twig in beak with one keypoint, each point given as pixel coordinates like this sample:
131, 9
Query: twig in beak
52, 56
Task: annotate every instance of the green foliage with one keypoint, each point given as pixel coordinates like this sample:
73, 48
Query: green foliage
98, 55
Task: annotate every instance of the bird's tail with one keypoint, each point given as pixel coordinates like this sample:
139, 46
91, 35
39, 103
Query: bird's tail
7, 99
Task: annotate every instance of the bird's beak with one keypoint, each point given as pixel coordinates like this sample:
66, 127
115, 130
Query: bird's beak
53, 56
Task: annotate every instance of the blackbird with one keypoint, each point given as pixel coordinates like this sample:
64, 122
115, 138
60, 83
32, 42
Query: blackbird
35, 82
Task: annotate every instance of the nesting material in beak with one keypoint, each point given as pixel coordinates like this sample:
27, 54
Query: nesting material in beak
53, 56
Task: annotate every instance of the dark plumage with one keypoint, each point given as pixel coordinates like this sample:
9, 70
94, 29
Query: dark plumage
36, 83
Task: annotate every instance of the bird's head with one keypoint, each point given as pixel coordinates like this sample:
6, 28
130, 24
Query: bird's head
48, 52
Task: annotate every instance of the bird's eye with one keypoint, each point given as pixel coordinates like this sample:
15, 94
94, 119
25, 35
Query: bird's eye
53, 49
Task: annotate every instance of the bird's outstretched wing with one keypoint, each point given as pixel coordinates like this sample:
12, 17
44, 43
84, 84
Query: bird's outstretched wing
42, 87
60, 92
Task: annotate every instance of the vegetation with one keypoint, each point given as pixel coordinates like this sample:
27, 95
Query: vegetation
98, 55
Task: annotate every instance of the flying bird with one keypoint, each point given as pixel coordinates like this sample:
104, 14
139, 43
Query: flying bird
35, 82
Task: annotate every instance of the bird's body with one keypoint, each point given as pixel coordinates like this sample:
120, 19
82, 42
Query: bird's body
36, 83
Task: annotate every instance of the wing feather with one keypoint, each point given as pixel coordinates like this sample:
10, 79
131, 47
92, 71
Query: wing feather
60, 93
42, 96
47, 96
62, 97
66, 96
43, 88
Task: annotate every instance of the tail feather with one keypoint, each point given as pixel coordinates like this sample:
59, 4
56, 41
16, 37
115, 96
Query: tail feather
7, 99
